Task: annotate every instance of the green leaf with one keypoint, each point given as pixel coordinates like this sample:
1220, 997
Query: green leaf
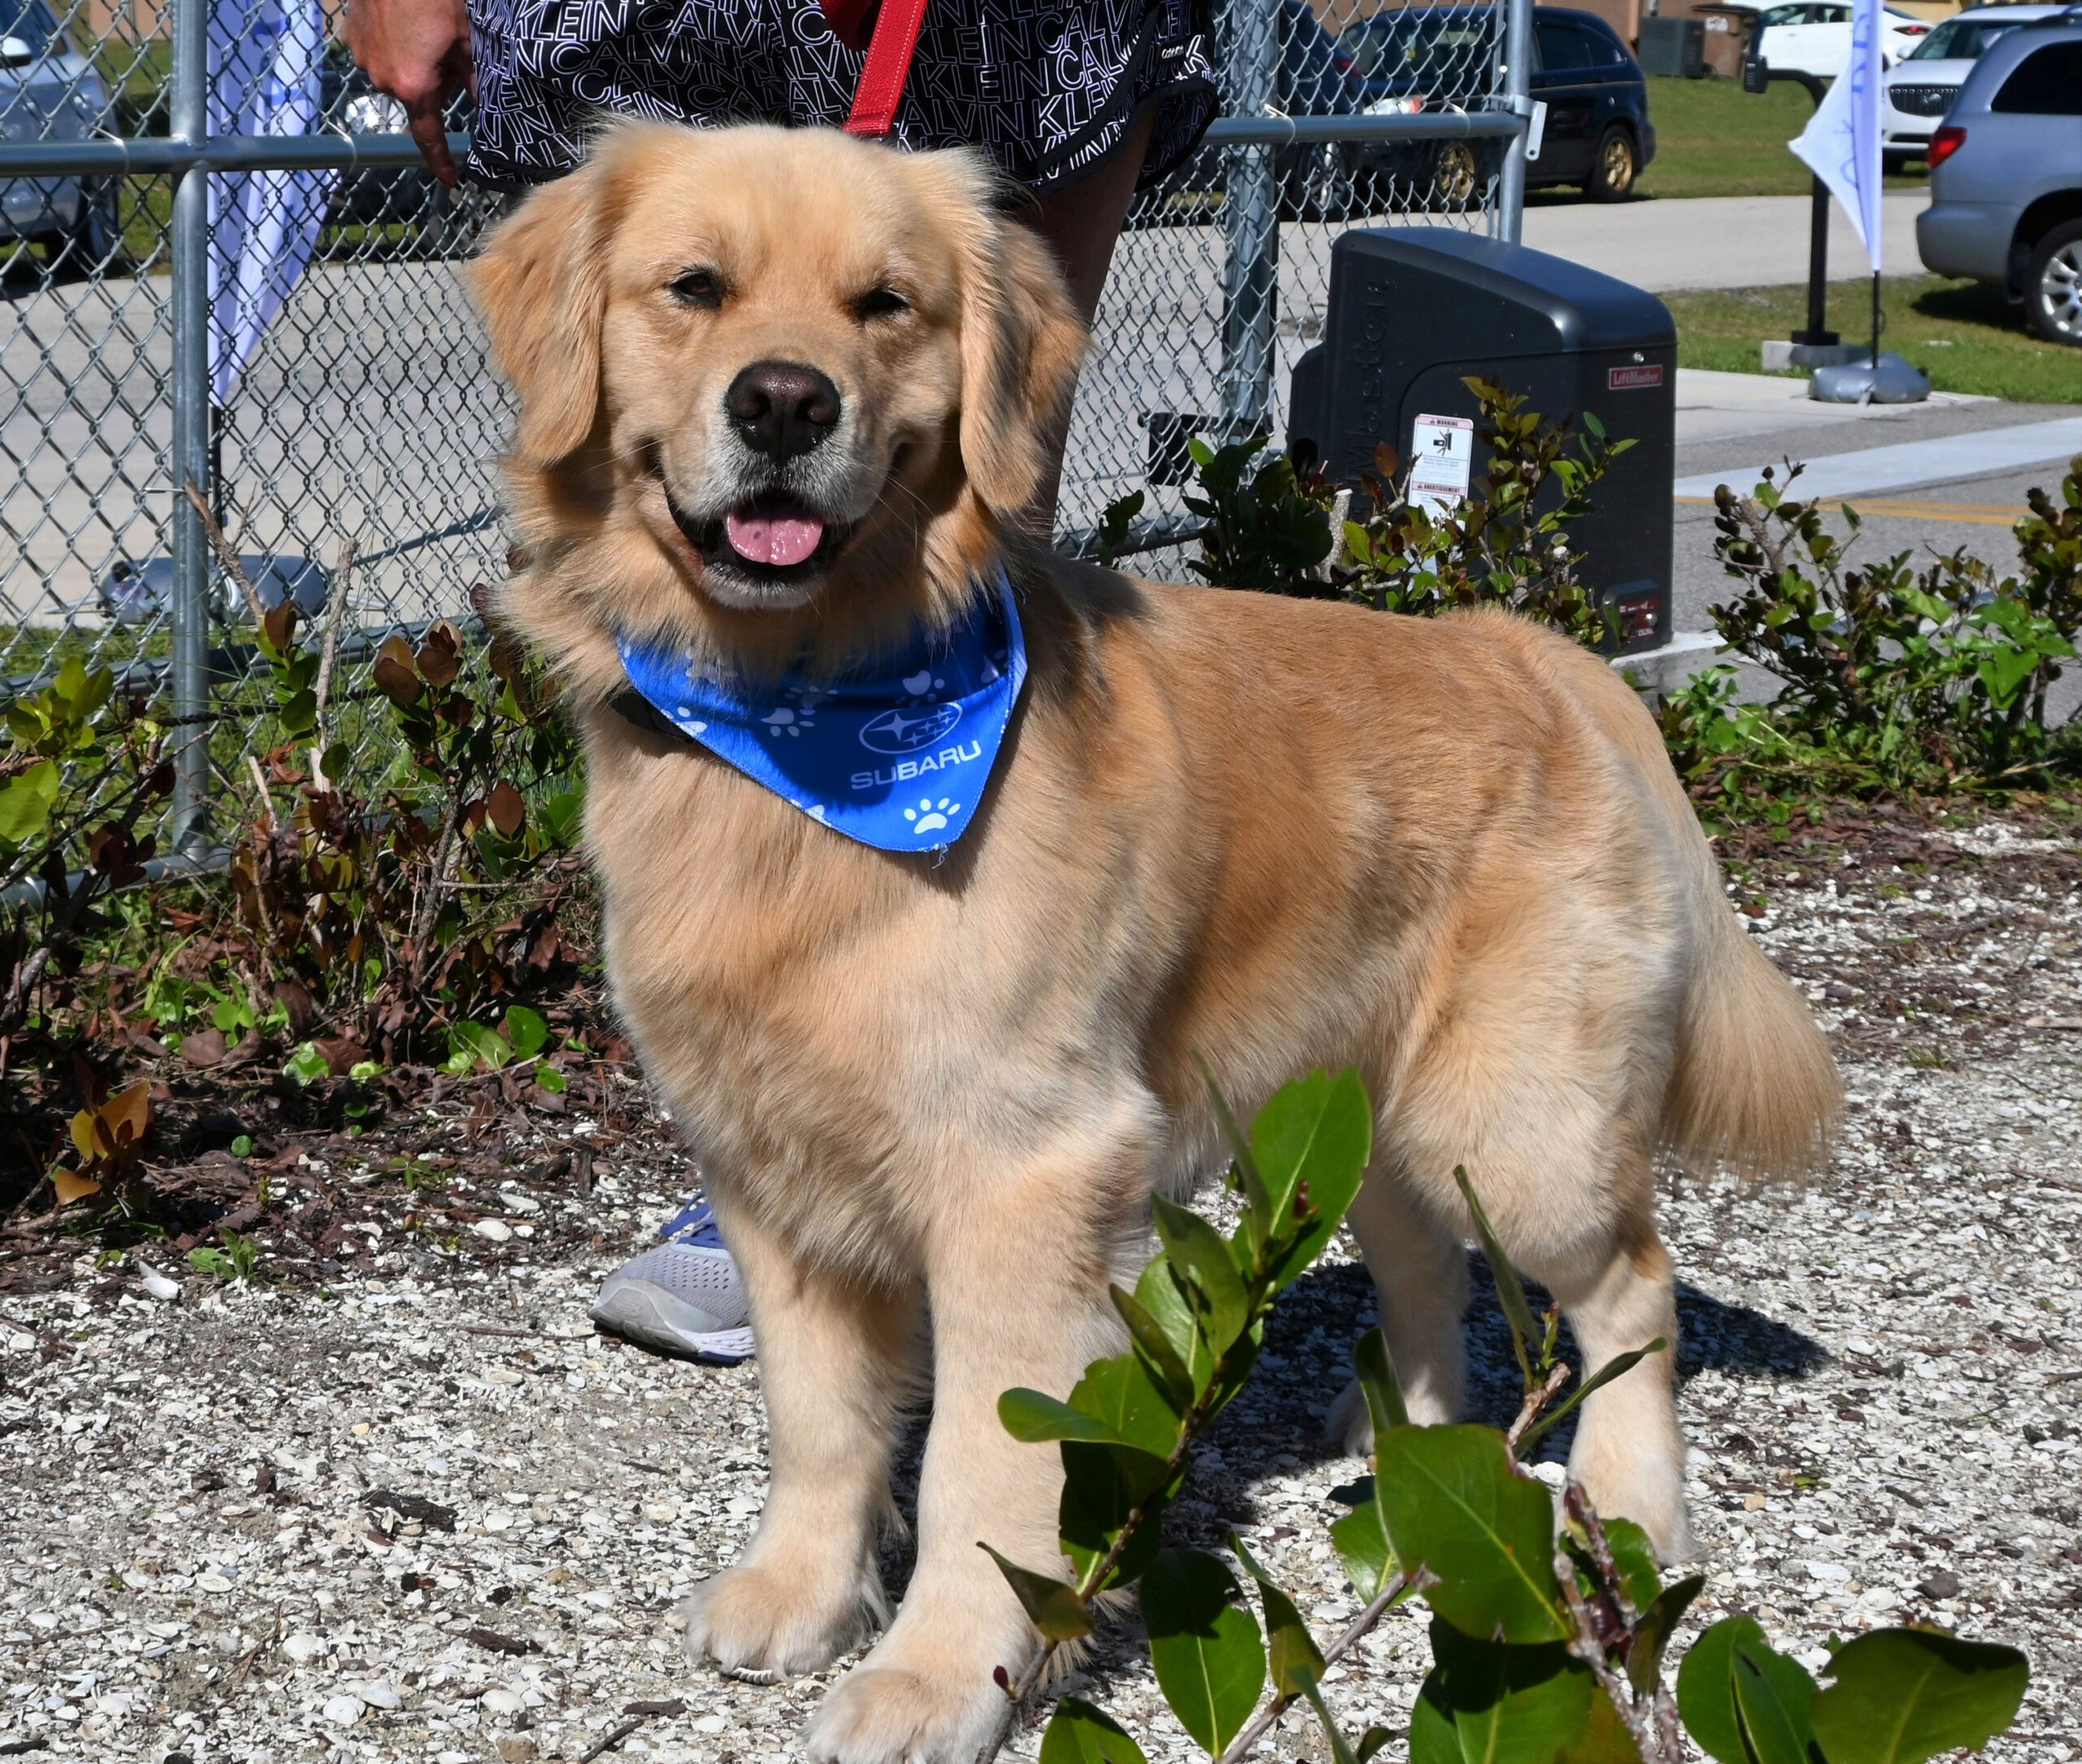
26, 802
1615, 1367
1774, 1726
549, 1078
1651, 1635
1634, 1557
1297, 1663
1900, 1695
1079, 1734
1371, 1741
1510, 1290
299, 712
1036, 1419
1506, 1705
1166, 1368
307, 1066
525, 1031
1159, 1294
1434, 1739
1706, 1687
1341, 1752
1362, 1546
1051, 1606
474, 1045
1378, 1382
1239, 1148
1103, 1486
1197, 1255
1318, 1130
1121, 1394
1454, 1504
1209, 1662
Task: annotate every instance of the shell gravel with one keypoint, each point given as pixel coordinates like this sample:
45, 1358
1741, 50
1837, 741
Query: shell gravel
424, 1513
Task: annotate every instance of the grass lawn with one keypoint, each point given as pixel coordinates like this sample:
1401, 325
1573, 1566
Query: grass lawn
1961, 333
1714, 139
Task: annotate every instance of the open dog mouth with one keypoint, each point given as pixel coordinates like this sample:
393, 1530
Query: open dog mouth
773, 536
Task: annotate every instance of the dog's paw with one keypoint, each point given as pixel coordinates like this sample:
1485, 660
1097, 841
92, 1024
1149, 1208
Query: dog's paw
1348, 1425
762, 1625
900, 1714
1348, 1428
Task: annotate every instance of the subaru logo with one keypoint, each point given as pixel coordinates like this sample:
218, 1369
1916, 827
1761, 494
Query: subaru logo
907, 731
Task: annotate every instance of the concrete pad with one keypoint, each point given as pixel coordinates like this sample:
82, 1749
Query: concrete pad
1713, 406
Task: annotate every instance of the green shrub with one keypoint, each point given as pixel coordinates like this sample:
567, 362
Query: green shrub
1891, 678
1272, 524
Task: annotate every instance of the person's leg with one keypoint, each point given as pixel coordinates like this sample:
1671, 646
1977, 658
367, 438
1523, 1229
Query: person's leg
1080, 222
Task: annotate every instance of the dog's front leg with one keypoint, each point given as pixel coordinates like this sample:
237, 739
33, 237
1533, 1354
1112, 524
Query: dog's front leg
1017, 1295
836, 1360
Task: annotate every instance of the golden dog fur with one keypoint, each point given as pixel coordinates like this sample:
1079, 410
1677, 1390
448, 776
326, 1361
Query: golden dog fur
1272, 834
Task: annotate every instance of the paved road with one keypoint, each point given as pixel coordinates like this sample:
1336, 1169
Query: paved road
1718, 241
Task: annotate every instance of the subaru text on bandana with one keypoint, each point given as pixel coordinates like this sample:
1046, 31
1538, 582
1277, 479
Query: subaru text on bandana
897, 760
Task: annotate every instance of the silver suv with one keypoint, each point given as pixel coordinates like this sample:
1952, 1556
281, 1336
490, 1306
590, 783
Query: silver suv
2005, 179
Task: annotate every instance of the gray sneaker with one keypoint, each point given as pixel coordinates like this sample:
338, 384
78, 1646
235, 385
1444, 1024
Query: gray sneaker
683, 1297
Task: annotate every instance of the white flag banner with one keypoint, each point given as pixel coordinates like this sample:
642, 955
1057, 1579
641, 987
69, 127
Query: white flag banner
265, 71
1841, 141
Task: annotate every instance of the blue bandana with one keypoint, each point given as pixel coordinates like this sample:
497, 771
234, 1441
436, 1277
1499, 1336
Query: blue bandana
896, 760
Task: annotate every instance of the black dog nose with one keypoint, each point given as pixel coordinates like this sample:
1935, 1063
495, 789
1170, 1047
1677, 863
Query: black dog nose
782, 409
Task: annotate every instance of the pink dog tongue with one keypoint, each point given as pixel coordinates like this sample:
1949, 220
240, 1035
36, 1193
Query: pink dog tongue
780, 540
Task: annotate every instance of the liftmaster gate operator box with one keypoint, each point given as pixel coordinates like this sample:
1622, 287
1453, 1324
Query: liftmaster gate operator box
1414, 311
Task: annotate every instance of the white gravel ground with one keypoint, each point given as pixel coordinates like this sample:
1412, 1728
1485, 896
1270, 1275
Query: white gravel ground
215, 1543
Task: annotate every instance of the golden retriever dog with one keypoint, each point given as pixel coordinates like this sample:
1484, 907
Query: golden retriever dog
931, 1096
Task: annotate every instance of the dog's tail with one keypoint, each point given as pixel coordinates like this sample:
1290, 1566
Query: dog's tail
1754, 1090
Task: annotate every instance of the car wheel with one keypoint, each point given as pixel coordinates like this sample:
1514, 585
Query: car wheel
1456, 175
1613, 166
2053, 289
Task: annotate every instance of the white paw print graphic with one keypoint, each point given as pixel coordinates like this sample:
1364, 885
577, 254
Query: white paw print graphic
922, 682
930, 816
785, 721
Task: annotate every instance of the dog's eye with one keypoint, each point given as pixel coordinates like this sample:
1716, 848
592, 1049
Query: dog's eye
698, 288
880, 304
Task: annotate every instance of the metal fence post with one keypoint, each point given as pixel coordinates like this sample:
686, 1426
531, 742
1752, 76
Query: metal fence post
1250, 225
1517, 100
189, 121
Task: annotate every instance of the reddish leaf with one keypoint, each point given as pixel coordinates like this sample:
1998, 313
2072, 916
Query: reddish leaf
440, 657
203, 1047
295, 998
279, 625
72, 1187
128, 1112
393, 672
341, 1054
508, 813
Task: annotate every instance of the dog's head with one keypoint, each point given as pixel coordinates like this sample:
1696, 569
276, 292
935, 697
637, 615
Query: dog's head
777, 387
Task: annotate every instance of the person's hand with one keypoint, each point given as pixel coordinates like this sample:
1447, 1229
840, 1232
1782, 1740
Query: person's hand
419, 52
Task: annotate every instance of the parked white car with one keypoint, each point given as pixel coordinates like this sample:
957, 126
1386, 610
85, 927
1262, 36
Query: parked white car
1814, 36
1920, 88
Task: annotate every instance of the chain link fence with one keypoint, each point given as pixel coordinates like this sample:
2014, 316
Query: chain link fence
142, 349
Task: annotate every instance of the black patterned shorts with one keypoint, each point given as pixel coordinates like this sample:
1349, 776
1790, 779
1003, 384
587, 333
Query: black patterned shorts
1046, 91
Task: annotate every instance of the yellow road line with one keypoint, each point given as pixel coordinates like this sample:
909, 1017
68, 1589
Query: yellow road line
1974, 514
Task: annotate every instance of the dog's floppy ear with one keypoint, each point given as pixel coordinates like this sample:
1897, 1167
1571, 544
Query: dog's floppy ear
1020, 344
538, 284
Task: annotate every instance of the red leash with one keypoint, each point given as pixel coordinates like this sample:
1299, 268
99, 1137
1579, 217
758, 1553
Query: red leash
890, 34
